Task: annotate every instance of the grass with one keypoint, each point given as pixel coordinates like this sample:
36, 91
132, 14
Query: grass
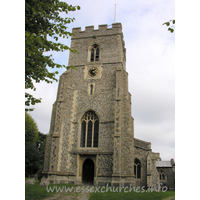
36, 192
27, 179
131, 195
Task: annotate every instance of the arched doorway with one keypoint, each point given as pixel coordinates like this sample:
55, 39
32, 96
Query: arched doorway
88, 172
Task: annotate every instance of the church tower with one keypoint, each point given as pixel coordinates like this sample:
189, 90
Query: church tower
91, 138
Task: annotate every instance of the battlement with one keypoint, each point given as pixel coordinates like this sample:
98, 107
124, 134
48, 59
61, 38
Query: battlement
102, 30
142, 144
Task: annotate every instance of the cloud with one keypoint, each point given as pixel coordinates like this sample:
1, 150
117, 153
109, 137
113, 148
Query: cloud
42, 112
161, 136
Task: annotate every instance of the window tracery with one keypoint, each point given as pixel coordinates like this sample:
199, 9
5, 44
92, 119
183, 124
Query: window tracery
94, 53
137, 168
89, 130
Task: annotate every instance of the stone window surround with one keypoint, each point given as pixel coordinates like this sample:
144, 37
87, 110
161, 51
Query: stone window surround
137, 165
91, 89
95, 118
162, 175
90, 51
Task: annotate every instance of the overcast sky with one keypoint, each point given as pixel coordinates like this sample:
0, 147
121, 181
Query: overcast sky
150, 55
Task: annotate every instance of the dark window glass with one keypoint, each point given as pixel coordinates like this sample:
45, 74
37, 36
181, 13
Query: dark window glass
91, 89
97, 54
135, 171
83, 129
137, 168
96, 133
163, 177
89, 134
89, 130
92, 55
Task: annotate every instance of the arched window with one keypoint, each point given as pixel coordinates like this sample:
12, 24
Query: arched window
89, 130
137, 168
94, 53
162, 175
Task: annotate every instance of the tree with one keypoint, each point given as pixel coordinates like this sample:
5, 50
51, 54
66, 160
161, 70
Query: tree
41, 147
43, 27
34, 147
32, 154
170, 23
32, 159
31, 130
41, 142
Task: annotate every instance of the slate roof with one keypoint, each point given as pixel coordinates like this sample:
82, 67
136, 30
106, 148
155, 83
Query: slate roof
163, 164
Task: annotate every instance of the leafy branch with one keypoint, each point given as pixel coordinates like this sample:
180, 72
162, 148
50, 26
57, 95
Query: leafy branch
43, 27
171, 25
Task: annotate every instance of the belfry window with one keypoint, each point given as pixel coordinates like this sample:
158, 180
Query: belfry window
94, 53
137, 168
89, 130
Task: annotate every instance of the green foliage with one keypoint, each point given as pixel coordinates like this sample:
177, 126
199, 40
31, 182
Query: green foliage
43, 27
31, 130
32, 154
41, 148
32, 158
170, 23
34, 148
41, 142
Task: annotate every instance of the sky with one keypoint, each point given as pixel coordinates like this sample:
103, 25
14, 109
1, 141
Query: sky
150, 56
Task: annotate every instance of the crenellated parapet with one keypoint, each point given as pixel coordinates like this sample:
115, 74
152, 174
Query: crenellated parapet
142, 144
102, 30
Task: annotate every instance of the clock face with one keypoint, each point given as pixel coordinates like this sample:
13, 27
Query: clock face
93, 71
